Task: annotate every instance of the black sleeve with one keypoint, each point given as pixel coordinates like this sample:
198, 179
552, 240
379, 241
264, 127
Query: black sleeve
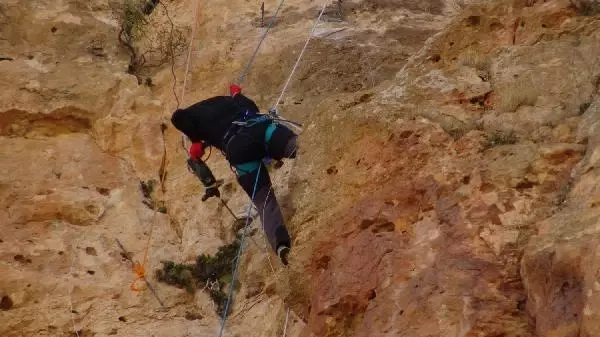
246, 103
203, 172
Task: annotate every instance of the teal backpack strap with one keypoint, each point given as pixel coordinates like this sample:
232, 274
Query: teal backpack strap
269, 132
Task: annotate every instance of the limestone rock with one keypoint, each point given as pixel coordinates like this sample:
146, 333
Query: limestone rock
445, 183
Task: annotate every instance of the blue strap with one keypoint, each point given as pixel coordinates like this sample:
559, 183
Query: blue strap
269, 133
244, 121
245, 168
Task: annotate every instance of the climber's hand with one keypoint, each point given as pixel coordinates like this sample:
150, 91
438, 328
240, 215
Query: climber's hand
210, 192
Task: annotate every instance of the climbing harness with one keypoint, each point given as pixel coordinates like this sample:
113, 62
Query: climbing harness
274, 117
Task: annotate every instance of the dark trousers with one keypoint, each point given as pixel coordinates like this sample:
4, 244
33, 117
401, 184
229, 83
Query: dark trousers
253, 144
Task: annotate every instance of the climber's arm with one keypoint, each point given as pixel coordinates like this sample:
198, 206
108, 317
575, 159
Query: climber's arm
202, 171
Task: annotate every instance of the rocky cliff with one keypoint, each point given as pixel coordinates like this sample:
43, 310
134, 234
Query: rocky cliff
445, 185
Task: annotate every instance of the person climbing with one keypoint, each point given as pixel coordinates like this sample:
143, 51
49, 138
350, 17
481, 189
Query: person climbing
234, 125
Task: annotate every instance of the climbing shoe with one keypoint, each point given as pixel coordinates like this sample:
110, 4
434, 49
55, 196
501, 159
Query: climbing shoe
283, 252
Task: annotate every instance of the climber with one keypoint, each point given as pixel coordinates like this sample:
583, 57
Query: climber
234, 125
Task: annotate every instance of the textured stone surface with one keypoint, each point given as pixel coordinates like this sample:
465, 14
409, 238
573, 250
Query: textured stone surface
560, 263
78, 135
445, 185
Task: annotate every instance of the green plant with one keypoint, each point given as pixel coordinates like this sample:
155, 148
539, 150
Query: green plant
500, 138
217, 266
220, 299
208, 270
179, 275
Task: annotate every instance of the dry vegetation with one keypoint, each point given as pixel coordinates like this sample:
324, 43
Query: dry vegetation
150, 36
474, 59
519, 94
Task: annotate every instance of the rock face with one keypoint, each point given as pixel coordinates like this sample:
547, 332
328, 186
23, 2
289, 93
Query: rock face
445, 184
559, 265
482, 150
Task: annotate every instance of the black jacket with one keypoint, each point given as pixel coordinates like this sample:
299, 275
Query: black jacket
209, 120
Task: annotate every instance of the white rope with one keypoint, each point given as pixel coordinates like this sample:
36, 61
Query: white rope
187, 67
262, 39
287, 82
287, 315
189, 55
70, 282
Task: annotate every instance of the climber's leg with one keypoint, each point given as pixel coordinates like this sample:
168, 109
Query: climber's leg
265, 202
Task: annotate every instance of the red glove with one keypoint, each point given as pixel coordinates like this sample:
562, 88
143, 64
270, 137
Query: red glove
234, 89
196, 151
